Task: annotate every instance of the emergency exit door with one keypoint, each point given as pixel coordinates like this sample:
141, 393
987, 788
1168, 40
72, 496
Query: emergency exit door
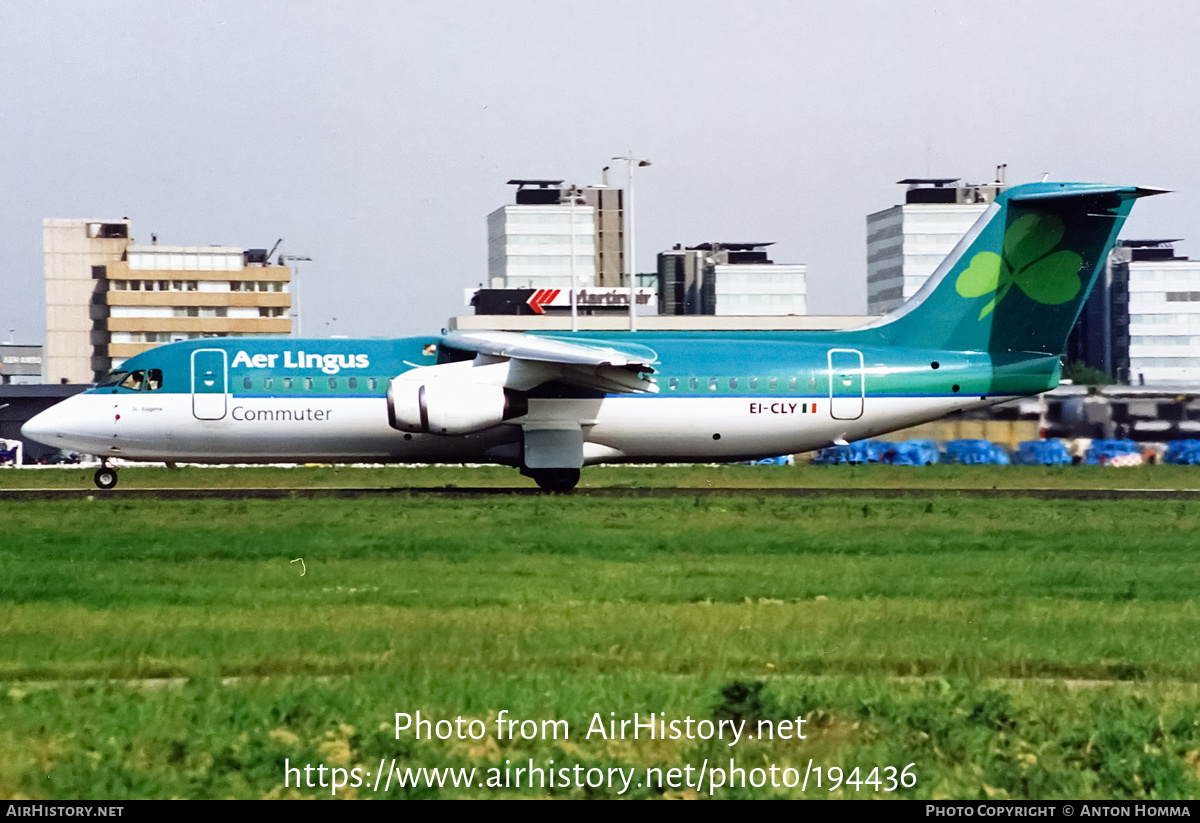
845, 384
209, 377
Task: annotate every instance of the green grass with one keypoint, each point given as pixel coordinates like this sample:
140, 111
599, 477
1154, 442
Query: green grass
685, 476
1008, 648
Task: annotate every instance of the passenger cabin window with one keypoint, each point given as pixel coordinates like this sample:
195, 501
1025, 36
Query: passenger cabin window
733, 382
287, 382
308, 384
693, 382
753, 384
267, 381
352, 382
333, 382
772, 383
673, 383
371, 384
712, 384
247, 383
792, 383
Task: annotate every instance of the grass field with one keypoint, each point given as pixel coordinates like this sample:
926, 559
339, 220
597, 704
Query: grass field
1005, 648
682, 476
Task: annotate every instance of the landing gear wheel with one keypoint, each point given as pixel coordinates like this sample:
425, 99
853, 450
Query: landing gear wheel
558, 481
105, 477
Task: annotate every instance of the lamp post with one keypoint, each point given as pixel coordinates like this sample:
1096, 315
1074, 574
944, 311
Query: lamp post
573, 200
630, 262
291, 258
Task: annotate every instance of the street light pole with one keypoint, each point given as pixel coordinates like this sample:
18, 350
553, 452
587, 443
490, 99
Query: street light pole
574, 282
291, 258
630, 262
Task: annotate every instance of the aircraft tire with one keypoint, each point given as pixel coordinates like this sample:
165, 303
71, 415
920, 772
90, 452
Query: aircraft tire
105, 477
557, 481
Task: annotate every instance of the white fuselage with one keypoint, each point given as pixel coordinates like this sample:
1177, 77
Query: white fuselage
616, 428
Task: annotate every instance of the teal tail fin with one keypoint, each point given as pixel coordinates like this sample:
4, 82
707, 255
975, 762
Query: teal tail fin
1018, 280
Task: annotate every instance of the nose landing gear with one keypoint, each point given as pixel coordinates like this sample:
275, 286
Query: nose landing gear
105, 476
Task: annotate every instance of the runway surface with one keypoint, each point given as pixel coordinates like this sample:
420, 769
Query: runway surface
607, 492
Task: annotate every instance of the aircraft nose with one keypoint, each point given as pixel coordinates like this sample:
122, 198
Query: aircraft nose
45, 426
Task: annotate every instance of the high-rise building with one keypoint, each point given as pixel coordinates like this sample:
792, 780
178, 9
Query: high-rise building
532, 243
906, 243
729, 279
75, 250
1141, 323
108, 299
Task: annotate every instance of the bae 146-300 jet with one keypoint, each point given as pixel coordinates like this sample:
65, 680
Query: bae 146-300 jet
988, 326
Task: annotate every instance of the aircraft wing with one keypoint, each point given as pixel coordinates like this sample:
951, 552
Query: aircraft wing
536, 359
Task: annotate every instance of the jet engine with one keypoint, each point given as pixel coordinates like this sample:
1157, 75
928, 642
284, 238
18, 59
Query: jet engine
449, 406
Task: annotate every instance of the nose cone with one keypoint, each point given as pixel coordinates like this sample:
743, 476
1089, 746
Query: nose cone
45, 427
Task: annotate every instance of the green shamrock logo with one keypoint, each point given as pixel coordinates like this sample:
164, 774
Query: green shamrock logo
1029, 262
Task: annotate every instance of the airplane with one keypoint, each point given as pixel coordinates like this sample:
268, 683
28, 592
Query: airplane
988, 326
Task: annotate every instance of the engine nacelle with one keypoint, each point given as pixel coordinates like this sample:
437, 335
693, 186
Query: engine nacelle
449, 406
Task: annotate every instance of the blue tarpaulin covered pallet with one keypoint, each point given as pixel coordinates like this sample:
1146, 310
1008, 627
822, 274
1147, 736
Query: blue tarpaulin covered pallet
1103, 451
1183, 452
974, 452
1043, 453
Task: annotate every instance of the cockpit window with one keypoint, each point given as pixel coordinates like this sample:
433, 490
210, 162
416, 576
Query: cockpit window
112, 378
153, 379
134, 381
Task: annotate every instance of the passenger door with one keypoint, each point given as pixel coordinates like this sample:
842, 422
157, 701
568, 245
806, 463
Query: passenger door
846, 389
209, 378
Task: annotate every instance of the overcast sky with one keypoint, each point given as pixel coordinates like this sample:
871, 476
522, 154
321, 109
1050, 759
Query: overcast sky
376, 137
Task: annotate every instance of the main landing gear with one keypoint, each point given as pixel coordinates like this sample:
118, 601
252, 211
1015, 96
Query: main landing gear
557, 481
105, 477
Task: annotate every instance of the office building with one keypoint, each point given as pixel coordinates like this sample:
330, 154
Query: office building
906, 243
1141, 324
729, 279
108, 299
21, 364
553, 231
